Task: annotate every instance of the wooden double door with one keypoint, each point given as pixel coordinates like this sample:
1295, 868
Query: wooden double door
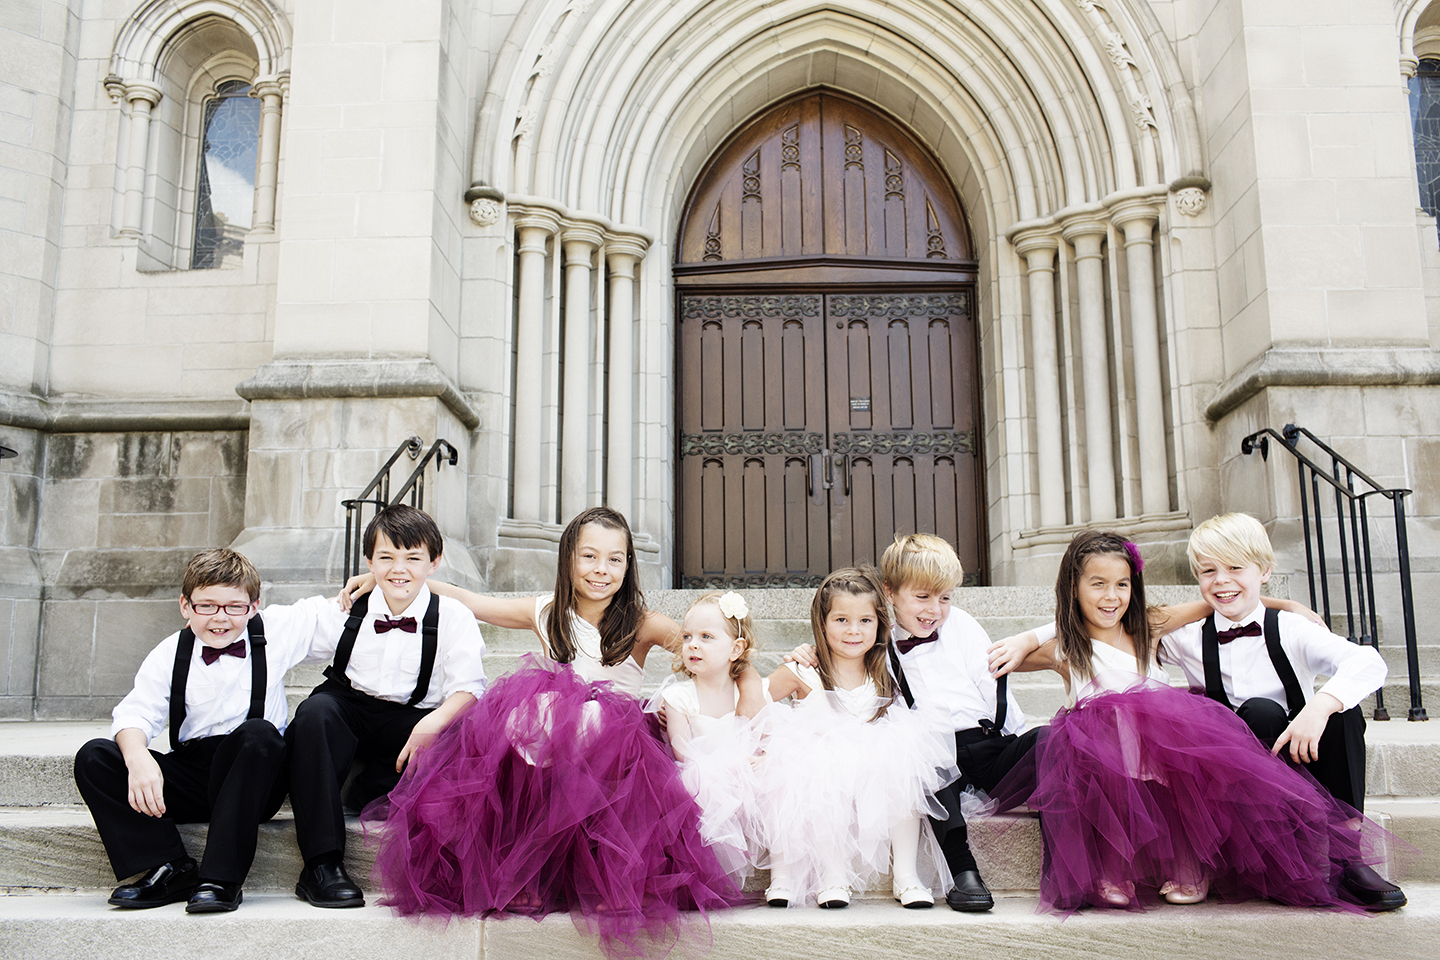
814, 425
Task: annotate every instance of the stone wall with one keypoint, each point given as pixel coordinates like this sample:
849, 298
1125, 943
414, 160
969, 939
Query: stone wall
122, 513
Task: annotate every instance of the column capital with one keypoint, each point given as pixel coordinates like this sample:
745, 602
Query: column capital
114, 87
626, 245
535, 218
264, 88
1084, 225
142, 90
580, 240
1035, 243
1132, 214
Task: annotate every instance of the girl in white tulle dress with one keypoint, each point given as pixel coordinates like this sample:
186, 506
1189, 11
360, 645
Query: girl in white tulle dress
848, 777
715, 747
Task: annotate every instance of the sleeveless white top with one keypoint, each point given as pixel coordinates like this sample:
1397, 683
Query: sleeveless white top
862, 702
1115, 671
626, 675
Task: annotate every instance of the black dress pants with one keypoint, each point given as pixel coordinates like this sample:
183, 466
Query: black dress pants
983, 761
235, 782
1340, 767
334, 727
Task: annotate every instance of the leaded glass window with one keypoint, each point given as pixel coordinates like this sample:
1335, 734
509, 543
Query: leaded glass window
1425, 117
225, 195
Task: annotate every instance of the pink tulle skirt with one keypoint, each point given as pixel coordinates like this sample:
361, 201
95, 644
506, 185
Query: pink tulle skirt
1155, 784
550, 794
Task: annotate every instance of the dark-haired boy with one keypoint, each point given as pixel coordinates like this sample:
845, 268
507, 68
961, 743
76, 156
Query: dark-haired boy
407, 662
224, 700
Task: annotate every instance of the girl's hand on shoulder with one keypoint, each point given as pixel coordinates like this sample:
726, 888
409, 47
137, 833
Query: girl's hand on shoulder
356, 587
804, 655
1296, 607
1006, 656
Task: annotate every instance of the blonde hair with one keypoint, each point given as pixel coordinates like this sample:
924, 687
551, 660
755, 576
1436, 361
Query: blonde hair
922, 561
220, 567
739, 628
1234, 539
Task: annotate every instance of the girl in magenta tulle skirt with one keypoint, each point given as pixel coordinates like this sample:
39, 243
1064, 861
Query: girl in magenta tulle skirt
1144, 789
551, 793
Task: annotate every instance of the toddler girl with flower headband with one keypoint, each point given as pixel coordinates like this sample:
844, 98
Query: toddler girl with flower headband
714, 746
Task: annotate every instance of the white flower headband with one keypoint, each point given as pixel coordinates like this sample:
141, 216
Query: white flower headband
733, 606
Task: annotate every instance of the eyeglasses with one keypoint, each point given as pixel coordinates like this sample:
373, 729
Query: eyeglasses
210, 609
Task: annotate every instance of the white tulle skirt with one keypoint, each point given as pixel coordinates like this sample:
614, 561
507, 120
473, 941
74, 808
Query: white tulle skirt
832, 786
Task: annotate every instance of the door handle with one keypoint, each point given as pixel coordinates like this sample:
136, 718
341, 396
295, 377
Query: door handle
817, 483
842, 467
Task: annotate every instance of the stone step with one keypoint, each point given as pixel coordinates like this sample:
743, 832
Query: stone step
37, 759
62, 927
57, 847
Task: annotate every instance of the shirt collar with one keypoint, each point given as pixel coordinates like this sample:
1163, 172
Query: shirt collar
416, 609
1254, 616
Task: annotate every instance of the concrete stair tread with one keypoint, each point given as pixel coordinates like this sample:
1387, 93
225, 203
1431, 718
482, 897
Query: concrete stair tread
69, 925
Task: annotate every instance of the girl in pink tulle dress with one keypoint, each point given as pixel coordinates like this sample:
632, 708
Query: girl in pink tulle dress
551, 793
1145, 789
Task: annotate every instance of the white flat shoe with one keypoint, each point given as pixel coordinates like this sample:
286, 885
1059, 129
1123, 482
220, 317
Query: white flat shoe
778, 897
833, 898
913, 895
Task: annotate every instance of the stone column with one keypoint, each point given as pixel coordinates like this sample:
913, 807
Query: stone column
580, 242
1039, 250
1137, 218
622, 254
270, 91
1085, 235
142, 97
532, 228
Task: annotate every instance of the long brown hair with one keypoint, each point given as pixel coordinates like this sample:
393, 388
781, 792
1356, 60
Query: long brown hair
855, 582
620, 623
1073, 636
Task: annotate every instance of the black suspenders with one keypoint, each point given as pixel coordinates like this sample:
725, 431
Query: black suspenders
259, 679
429, 645
1210, 657
991, 728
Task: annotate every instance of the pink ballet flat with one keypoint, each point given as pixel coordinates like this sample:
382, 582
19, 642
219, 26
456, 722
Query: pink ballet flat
1176, 892
1114, 895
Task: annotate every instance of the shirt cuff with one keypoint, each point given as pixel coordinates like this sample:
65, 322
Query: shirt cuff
135, 722
475, 688
1347, 691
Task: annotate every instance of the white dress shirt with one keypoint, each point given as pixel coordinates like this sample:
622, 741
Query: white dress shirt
1355, 671
954, 672
217, 695
387, 665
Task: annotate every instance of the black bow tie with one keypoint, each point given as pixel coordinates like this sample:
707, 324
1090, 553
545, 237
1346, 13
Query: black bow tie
910, 643
385, 625
211, 654
1251, 629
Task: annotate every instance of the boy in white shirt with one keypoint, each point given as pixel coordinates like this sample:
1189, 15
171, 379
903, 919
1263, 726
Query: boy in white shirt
224, 700
407, 662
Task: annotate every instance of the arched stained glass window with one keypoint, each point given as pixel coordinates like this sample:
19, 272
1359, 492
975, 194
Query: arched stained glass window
1425, 120
225, 195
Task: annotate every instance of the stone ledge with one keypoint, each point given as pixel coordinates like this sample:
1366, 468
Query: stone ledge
1324, 367
97, 415
346, 379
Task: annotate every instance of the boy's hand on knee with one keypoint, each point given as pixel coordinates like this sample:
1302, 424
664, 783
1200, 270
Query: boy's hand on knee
147, 785
1303, 734
803, 655
421, 736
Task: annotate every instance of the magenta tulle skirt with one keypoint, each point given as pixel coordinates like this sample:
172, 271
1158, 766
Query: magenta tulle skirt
550, 794
1156, 784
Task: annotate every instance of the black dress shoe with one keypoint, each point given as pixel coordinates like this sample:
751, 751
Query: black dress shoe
1362, 885
969, 895
214, 898
328, 885
168, 883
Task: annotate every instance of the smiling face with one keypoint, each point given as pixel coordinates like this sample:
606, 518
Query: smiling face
707, 647
400, 572
219, 629
600, 563
1232, 589
1104, 594
919, 610
850, 625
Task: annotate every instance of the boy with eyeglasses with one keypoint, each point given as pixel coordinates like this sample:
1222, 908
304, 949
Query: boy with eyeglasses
224, 701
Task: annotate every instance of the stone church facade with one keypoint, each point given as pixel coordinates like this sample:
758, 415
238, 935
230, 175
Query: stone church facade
773, 279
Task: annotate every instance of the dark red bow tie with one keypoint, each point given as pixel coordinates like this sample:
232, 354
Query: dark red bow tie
385, 625
211, 654
910, 643
1244, 630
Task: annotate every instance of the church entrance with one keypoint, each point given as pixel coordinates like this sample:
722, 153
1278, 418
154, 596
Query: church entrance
826, 370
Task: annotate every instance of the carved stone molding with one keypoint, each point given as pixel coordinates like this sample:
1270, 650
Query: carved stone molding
753, 581
1190, 201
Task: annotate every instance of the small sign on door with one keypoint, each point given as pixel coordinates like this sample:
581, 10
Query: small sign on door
860, 404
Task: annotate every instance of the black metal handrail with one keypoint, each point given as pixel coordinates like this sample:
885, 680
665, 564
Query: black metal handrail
1352, 511
354, 508
442, 453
